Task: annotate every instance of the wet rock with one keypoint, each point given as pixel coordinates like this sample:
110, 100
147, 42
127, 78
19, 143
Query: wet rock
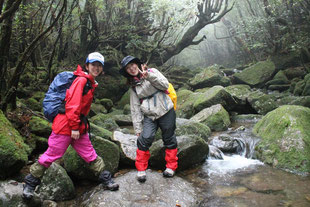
13, 151
11, 195
128, 146
285, 136
156, 191
105, 121
213, 96
40, 126
225, 143
189, 127
215, 117
123, 120
100, 132
256, 75
215, 153
192, 150
56, 184
78, 168
209, 77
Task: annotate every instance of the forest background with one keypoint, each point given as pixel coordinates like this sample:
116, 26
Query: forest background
40, 38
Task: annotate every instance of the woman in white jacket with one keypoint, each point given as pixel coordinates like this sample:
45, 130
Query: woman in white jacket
151, 108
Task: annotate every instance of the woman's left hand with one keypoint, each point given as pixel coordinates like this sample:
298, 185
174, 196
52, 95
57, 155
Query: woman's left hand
75, 134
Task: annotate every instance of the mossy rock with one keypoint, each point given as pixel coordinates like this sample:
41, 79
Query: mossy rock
213, 96
33, 104
256, 75
188, 127
13, 151
215, 117
40, 126
105, 121
186, 99
100, 132
285, 137
107, 103
78, 168
124, 100
209, 77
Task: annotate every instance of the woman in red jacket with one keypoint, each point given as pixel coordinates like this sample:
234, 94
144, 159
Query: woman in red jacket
71, 128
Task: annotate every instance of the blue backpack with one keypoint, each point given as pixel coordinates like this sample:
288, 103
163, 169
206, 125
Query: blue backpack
53, 102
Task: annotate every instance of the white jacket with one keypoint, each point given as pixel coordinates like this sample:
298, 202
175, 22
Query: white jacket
148, 98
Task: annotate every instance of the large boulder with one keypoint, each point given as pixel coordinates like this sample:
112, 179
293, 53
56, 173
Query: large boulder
209, 77
78, 168
189, 127
192, 150
285, 138
105, 121
100, 132
56, 185
128, 146
213, 96
215, 117
263, 103
156, 191
240, 93
11, 195
40, 126
186, 99
256, 75
13, 151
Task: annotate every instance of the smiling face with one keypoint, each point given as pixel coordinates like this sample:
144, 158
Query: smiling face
132, 69
94, 68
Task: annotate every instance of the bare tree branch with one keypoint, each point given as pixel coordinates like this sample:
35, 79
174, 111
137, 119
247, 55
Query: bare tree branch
11, 10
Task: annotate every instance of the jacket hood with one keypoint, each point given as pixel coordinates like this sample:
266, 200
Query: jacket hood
79, 72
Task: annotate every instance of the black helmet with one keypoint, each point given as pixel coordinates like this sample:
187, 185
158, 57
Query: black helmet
126, 60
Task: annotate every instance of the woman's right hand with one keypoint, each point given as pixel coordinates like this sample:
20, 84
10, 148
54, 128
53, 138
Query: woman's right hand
75, 134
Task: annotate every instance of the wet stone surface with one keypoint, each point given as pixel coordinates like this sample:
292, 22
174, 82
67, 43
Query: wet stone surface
156, 191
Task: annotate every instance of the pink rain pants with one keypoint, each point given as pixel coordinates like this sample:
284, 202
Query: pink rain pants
58, 144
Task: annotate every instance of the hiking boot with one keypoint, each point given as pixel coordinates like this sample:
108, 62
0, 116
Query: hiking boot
108, 183
30, 185
168, 173
111, 185
141, 176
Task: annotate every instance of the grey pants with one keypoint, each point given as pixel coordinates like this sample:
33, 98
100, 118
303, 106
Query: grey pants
167, 125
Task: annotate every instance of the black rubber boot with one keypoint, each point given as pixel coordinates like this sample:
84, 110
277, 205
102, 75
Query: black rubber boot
30, 185
106, 179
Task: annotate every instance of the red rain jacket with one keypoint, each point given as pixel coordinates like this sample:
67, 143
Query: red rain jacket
76, 104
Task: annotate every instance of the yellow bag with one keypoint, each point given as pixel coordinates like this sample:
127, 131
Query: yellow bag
173, 95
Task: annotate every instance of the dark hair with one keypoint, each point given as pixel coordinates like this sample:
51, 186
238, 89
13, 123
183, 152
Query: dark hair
84, 67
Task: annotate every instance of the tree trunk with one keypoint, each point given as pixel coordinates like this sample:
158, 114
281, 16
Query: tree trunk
6, 31
10, 95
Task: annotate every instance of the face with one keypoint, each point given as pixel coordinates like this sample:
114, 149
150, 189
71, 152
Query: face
94, 69
132, 69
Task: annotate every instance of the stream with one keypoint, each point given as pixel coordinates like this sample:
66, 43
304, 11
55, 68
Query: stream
239, 180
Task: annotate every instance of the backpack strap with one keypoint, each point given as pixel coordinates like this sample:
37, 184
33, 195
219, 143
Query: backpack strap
88, 86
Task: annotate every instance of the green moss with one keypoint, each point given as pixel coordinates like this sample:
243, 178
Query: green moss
13, 151
285, 138
257, 74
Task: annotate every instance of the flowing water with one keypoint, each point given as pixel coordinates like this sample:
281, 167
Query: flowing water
239, 180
